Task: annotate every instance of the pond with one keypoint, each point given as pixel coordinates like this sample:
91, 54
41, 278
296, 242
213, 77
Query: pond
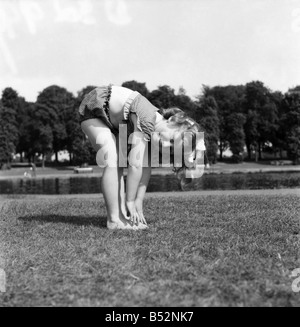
158, 183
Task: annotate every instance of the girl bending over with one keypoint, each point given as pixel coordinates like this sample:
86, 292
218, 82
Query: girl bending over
104, 113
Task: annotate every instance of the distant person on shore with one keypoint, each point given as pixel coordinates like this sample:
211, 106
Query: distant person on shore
103, 114
33, 170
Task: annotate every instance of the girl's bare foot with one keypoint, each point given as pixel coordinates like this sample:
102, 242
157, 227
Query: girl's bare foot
121, 223
141, 226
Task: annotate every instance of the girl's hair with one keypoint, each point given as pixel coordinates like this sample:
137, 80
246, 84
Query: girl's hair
185, 124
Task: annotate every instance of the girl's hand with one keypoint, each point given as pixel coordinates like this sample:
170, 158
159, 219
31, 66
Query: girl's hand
139, 208
132, 212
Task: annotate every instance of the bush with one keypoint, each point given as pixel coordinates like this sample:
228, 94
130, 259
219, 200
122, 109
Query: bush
5, 166
237, 158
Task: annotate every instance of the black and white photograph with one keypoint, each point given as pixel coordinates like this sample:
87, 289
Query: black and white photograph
149, 156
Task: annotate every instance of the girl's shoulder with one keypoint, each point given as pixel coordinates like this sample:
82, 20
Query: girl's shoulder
146, 114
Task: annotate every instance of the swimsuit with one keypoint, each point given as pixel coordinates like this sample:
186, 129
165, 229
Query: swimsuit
96, 105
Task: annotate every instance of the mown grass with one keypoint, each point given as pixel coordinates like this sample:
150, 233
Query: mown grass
212, 250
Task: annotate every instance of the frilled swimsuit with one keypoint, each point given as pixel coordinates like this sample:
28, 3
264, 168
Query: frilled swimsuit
96, 105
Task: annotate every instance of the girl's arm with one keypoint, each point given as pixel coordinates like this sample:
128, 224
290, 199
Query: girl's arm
143, 183
142, 191
135, 169
134, 176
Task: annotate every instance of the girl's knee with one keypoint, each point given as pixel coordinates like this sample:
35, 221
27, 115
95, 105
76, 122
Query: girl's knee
107, 152
106, 159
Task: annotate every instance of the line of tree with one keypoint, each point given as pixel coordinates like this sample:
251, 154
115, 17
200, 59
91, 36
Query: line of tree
250, 117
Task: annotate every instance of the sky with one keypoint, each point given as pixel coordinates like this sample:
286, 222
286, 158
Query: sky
181, 43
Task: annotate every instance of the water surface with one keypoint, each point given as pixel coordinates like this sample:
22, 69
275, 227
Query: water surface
158, 183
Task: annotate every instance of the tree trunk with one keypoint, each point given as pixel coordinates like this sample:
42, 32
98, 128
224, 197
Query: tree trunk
259, 151
56, 156
248, 146
221, 151
21, 156
256, 153
43, 161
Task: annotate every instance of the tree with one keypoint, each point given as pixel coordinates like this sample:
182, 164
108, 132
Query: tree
295, 89
5, 147
229, 100
9, 134
163, 97
291, 122
207, 117
236, 135
261, 117
136, 86
61, 102
277, 137
25, 125
42, 127
185, 103
83, 151
78, 145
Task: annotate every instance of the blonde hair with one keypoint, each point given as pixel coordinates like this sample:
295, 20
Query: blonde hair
185, 124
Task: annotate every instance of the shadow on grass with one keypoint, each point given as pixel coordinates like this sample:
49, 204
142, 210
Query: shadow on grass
73, 220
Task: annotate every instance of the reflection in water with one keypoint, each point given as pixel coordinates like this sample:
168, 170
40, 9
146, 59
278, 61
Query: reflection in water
158, 183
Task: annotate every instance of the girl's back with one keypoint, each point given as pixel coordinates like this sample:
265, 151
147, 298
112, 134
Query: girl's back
118, 97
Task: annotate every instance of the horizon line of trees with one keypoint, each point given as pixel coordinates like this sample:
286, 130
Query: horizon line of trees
233, 118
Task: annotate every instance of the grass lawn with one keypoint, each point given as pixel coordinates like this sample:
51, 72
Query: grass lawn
202, 249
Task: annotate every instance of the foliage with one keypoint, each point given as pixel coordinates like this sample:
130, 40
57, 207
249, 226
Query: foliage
59, 102
207, 116
236, 135
233, 117
77, 144
291, 122
229, 101
9, 134
185, 103
261, 117
163, 97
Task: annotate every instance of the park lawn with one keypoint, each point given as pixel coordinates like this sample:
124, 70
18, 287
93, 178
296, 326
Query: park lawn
200, 250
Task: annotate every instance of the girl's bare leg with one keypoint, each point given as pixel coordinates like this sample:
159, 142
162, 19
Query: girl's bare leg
122, 191
122, 159
142, 191
100, 135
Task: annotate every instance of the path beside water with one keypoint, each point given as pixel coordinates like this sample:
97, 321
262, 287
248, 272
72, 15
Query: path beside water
220, 167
